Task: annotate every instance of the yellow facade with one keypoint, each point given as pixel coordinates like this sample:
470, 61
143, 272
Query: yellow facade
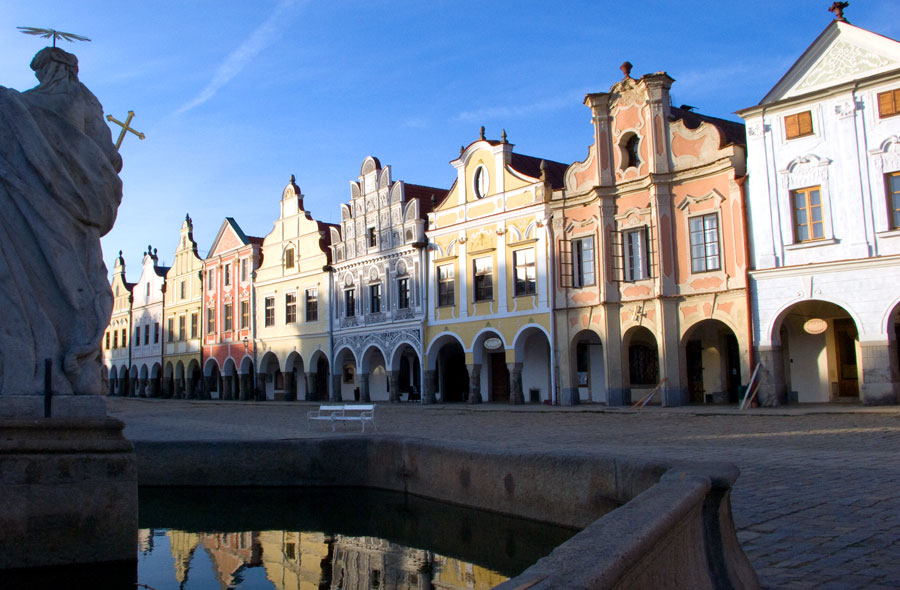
292, 304
183, 329
490, 279
117, 339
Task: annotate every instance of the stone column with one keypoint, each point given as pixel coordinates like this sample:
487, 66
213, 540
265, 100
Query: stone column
474, 384
290, 388
771, 388
879, 384
311, 394
336, 381
364, 388
428, 393
516, 396
394, 386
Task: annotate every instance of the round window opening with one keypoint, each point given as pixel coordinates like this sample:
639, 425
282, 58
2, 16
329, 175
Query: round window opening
480, 182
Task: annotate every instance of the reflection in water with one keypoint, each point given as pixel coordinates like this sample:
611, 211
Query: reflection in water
334, 539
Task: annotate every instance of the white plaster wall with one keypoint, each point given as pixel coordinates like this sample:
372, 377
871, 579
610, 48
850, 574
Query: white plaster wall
808, 354
712, 370
536, 367
378, 385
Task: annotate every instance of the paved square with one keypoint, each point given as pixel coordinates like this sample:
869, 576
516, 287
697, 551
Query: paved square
817, 504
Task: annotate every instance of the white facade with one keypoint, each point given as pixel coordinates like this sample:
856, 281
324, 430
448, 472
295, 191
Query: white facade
147, 327
378, 302
825, 243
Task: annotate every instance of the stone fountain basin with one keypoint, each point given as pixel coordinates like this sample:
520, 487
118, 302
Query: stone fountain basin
643, 523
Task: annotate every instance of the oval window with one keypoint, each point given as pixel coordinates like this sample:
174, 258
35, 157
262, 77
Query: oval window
480, 182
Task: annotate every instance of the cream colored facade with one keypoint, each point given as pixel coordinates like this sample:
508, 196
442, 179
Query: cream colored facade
489, 329
183, 303
117, 339
292, 303
147, 320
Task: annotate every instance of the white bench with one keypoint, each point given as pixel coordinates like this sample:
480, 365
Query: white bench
361, 413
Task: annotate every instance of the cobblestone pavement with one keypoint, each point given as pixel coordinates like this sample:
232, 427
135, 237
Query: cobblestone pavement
817, 504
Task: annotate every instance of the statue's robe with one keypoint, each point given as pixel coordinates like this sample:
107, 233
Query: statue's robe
59, 192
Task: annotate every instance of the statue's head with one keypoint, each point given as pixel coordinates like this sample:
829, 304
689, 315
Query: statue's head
52, 63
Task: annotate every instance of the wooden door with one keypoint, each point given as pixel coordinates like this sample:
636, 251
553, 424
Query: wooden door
845, 337
499, 378
694, 354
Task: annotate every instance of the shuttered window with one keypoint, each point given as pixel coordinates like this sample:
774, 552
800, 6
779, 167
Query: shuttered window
889, 103
798, 125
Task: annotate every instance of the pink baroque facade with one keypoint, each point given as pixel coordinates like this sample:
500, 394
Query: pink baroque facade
227, 315
651, 254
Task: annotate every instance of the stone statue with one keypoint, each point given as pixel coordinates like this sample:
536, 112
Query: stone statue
59, 192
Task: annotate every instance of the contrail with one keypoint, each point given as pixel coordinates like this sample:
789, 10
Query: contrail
237, 60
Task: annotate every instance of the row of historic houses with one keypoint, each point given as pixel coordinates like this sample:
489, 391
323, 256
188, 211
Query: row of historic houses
683, 255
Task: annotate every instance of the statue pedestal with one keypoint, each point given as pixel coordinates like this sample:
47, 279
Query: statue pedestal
68, 490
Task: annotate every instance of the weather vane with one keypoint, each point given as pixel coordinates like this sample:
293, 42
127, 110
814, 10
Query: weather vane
52, 33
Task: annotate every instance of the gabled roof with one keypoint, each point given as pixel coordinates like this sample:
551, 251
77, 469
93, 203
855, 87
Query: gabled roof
841, 53
231, 226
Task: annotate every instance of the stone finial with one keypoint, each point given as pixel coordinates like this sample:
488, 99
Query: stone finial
154, 252
543, 168
838, 10
149, 248
503, 136
293, 180
481, 133
120, 253
626, 68
433, 200
462, 149
187, 217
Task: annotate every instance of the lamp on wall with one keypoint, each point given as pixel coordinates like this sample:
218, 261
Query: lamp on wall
246, 341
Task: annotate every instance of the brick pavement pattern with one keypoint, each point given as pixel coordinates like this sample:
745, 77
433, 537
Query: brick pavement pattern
817, 504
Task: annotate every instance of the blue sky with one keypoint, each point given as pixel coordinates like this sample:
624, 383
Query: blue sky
235, 96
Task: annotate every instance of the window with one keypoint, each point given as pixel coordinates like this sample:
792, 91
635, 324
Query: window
116, 339
349, 303
807, 207
227, 319
245, 270
630, 154
270, 311
170, 330
245, 315
480, 182
124, 337
635, 255
148, 289
445, 285
484, 279
403, 293
211, 320
211, 279
146, 333
893, 184
372, 237
523, 267
107, 341
312, 305
889, 103
181, 290
375, 298
583, 262
290, 308
182, 333
156, 333
704, 243
226, 275
798, 125
137, 336
289, 258
194, 324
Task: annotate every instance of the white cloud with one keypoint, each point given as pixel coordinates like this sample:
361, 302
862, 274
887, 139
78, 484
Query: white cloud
263, 36
561, 101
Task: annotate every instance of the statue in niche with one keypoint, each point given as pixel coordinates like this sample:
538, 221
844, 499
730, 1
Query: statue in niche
59, 193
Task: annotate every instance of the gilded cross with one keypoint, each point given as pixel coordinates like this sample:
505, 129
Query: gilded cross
125, 127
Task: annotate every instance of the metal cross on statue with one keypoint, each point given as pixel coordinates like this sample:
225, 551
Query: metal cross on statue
125, 127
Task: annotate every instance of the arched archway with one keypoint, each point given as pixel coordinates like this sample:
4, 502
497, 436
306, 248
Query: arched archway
271, 379
180, 385
711, 362
294, 378
230, 387
447, 375
405, 374
641, 352
530, 373
194, 378
246, 390
373, 376
104, 378
155, 385
215, 388
489, 377
113, 380
819, 346
588, 371
169, 385
344, 380
317, 386
125, 380
143, 379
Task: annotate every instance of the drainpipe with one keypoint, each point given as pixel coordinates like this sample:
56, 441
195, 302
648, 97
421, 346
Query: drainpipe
255, 375
423, 286
332, 309
554, 357
741, 182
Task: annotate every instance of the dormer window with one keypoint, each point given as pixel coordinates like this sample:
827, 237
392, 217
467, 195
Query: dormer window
798, 125
630, 155
289, 258
480, 182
